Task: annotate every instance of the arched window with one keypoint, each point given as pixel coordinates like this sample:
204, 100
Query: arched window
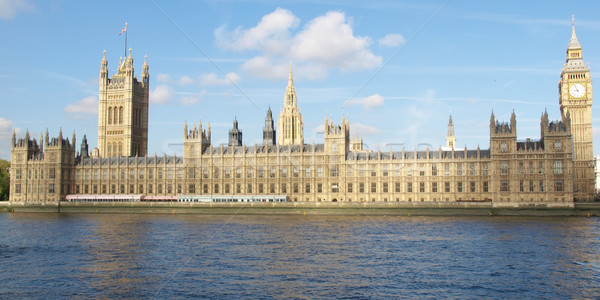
121, 115
108, 150
115, 153
109, 115
115, 115
120, 148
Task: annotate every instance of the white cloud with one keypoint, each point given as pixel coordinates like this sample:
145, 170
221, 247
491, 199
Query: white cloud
10, 8
213, 79
329, 40
193, 99
161, 94
6, 130
368, 102
358, 129
163, 78
185, 80
325, 43
271, 34
392, 40
87, 105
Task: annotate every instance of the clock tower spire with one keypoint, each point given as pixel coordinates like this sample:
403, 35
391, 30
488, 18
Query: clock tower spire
575, 99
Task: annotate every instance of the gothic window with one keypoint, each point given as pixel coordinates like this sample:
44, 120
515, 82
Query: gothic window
459, 187
121, 115
447, 187
485, 187
115, 115
558, 186
485, 169
531, 185
110, 111
120, 148
558, 167
521, 167
459, 170
349, 187
335, 188
434, 187
334, 172
503, 147
504, 186
504, 167
472, 187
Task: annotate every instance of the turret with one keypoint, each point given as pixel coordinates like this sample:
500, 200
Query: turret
235, 135
84, 147
145, 73
450, 137
269, 134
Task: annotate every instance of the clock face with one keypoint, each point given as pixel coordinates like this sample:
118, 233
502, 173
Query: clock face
577, 90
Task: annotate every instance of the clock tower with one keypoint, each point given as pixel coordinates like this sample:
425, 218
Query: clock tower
575, 99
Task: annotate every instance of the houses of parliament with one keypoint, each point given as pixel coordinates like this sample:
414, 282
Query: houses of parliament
555, 169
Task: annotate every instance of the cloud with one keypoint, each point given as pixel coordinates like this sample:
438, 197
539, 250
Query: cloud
163, 78
193, 99
162, 94
329, 40
368, 102
10, 8
271, 34
392, 40
87, 105
213, 79
6, 129
362, 130
325, 43
185, 80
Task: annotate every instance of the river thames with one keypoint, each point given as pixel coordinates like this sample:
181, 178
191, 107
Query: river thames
256, 256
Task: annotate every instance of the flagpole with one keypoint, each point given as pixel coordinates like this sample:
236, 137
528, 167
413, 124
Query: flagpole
125, 39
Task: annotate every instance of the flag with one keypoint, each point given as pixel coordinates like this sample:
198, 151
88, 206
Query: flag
124, 29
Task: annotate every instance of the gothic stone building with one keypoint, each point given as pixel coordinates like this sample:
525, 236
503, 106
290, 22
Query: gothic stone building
555, 170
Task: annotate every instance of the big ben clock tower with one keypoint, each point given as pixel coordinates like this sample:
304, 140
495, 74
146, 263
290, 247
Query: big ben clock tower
575, 98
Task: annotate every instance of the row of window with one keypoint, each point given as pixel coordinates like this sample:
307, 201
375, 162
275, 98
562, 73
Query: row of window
558, 167
530, 186
51, 174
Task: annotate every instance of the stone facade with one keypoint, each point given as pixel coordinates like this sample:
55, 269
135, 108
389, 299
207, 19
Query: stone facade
511, 172
123, 110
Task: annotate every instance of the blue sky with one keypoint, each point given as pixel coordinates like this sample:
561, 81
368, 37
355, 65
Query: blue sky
393, 71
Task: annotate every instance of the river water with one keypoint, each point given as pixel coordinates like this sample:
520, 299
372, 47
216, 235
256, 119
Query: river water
262, 257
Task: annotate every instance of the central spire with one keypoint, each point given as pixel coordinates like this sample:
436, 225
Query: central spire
290, 80
290, 120
574, 43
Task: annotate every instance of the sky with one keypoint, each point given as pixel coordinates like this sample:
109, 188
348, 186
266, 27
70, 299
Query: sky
395, 69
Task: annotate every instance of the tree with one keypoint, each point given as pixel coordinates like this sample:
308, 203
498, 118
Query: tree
4, 180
